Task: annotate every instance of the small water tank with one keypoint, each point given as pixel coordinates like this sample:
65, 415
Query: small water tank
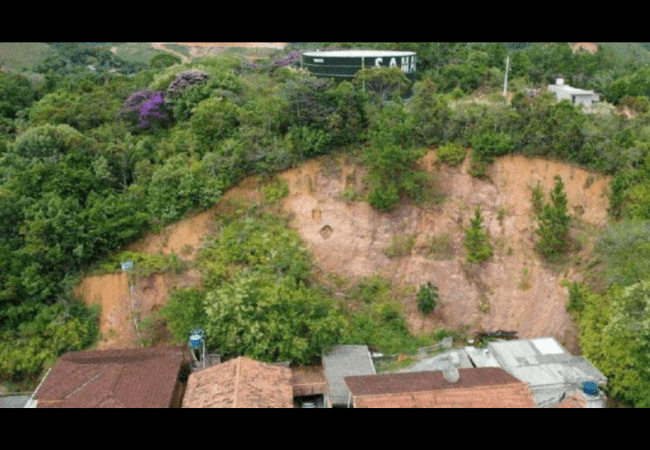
590, 388
196, 337
559, 81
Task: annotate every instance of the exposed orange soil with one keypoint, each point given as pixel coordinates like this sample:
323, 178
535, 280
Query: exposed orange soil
348, 238
112, 291
353, 247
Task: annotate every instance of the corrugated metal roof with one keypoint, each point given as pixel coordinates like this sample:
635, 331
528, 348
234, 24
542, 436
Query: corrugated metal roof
343, 361
457, 357
14, 401
524, 360
481, 357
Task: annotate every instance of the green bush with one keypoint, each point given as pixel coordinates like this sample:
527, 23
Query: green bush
476, 241
427, 298
451, 154
438, 247
276, 190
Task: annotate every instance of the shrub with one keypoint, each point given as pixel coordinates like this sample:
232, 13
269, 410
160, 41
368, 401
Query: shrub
476, 240
400, 245
451, 154
275, 190
427, 298
438, 247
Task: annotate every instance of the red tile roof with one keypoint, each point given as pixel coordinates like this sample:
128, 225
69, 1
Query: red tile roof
240, 383
129, 378
484, 387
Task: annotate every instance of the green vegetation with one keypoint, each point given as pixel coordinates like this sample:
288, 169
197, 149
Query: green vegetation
554, 224
438, 247
451, 154
427, 298
476, 240
275, 190
400, 245
78, 182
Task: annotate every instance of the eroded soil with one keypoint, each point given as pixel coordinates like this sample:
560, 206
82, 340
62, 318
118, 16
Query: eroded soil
348, 238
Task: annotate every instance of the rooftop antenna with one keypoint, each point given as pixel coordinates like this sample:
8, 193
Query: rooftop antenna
196, 345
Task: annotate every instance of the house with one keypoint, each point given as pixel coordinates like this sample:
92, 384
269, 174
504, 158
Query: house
240, 383
552, 374
576, 96
129, 378
343, 361
487, 387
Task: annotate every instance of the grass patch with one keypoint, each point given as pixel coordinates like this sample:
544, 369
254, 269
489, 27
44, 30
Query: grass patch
136, 52
438, 247
24, 55
524, 281
182, 49
143, 265
400, 245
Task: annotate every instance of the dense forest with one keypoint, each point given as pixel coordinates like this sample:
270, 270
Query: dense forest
93, 158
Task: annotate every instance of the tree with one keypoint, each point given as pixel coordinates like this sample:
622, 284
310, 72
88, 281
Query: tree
427, 298
476, 241
554, 224
146, 108
215, 119
271, 320
625, 246
384, 82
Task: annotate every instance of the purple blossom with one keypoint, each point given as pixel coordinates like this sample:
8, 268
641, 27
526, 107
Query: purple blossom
145, 105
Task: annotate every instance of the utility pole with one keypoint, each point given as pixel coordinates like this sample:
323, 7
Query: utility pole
505, 81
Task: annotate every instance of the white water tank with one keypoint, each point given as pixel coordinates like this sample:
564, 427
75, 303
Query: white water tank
559, 81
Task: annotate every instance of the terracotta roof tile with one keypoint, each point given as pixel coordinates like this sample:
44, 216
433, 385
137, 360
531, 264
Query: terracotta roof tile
240, 383
130, 378
486, 387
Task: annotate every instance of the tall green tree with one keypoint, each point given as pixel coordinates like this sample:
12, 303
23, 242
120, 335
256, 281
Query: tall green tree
553, 228
476, 240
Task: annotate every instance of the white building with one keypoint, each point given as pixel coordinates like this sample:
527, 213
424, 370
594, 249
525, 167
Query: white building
574, 95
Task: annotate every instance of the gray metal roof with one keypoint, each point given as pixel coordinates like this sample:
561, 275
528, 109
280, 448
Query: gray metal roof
15, 401
481, 357
569, 89
543, 363
457, 357
344, 361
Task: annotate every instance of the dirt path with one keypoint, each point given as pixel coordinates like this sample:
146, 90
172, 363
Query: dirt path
161, 46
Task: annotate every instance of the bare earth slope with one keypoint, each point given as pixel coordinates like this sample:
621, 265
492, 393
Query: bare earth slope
348, 238
354, 245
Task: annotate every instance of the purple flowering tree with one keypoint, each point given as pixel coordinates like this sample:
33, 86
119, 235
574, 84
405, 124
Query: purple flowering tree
146, 108
186, 79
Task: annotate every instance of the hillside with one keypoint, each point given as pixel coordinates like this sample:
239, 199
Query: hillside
489, 297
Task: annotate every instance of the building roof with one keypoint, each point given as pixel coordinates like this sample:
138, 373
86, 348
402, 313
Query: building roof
569, 90
343, 361
457, 358
240, 383
14, 401
573, 401
487, 387
481, 357
129, 378
544, 363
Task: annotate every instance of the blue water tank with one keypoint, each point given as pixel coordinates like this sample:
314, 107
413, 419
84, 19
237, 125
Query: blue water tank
196, 337
590, 388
